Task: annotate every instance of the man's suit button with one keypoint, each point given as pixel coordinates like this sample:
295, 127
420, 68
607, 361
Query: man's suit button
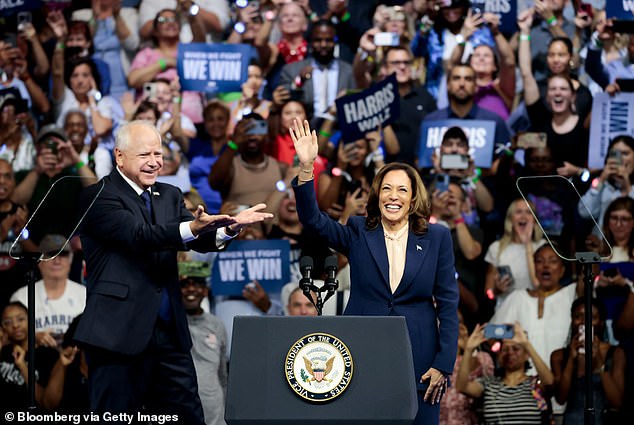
390, 304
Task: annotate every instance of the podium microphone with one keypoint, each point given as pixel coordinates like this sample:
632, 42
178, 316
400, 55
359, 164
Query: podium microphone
331, 283
306, 267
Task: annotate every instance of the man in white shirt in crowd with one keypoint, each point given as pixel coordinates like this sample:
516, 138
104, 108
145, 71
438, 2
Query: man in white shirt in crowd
58, 300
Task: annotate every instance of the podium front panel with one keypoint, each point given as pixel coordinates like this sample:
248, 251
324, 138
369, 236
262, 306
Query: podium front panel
382, 389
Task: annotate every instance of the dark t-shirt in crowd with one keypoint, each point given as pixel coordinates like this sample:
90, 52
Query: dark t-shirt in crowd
414, 106
583, 98
13, 390
571, 146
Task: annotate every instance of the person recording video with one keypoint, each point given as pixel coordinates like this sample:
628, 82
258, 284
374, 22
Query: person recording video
453, 158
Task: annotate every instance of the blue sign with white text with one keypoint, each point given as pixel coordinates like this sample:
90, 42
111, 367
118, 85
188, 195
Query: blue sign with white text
218, 68
9, 7
505, 9
363, 112
481, 135
620, 9
267, 261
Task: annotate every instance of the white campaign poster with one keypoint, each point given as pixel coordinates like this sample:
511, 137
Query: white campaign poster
611, 116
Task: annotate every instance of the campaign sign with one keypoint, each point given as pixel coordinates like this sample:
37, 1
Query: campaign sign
213, 67
620, 9
505, 9
362, 112
9, 7
245, 261
481, 135
611, 116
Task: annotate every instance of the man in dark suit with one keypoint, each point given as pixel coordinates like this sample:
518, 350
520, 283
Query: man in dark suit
321, 76
134, 326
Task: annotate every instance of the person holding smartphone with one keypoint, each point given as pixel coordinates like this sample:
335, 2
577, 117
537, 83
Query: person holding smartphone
448, 201
544, 311
615, 180
512, 396
608, 365
351, 174
510, 263
453, 158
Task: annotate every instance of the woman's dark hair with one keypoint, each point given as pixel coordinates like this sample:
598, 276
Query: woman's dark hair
568, 80
627, 140
155, 22
420, 208
623, 138
603, 312
555, 247
145, 106
74, 63
440, 23
565, 40
82, 28
623, 203
214, 105
496, 59
15, 304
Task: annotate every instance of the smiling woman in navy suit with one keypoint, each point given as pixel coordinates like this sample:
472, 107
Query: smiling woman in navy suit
400, 265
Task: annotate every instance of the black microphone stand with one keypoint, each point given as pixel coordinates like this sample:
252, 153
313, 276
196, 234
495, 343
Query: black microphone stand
307, 285
587, 260
30, 261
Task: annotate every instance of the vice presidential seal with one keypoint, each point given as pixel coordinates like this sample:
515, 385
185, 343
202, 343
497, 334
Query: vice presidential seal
318, 367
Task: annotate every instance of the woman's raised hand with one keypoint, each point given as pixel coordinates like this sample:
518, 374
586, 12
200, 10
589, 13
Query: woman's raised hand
305, 142
476, 338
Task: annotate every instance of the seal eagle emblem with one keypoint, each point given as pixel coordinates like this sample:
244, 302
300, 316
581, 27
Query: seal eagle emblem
318, 367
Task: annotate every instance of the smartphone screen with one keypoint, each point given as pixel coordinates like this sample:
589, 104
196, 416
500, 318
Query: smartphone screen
504, 331
442, 182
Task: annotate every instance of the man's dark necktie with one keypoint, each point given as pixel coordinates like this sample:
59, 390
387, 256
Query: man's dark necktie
165, 312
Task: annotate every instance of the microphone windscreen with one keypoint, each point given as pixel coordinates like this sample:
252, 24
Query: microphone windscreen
331, 262
305, 262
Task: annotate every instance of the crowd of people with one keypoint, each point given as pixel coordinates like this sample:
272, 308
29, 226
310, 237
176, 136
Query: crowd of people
73, 73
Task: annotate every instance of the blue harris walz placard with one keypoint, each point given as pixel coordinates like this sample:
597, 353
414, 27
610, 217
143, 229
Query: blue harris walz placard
266, 261
360, 113
213, 67
505, 9
481, 135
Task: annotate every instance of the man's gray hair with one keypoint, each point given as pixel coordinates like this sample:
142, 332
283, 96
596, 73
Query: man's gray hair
124, 134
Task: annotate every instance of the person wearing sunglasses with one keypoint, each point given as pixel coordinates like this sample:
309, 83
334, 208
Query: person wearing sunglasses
159, 61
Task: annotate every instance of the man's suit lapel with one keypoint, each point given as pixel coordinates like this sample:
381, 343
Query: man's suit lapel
417, 248
128, 193
376, 245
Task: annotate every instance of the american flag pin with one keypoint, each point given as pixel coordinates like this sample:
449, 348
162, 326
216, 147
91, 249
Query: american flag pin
156, 194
